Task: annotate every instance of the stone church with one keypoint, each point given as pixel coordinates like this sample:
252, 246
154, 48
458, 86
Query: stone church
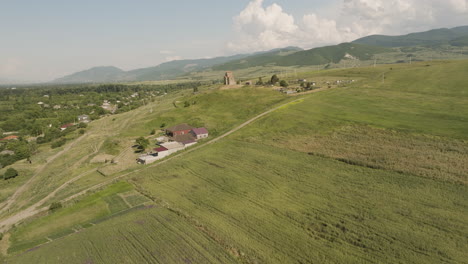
229, 79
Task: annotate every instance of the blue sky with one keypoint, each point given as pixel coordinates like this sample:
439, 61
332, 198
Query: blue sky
43, 40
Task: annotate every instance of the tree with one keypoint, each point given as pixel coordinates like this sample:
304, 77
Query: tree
283, 83
10, 173
260, 81
186, 104
153, 131
82, 125
142, 143
195, 89
274, 79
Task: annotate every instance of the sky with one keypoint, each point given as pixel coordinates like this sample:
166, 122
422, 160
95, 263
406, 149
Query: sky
47, 39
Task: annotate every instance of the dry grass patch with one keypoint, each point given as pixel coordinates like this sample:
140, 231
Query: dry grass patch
421, 155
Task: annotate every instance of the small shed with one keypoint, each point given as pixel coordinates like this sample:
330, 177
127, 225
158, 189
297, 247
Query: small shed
173, 147
148, 159
199, 133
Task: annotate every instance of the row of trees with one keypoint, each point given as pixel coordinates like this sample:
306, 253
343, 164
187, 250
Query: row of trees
273, 81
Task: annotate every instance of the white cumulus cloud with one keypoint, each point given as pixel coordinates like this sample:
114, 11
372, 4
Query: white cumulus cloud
260, 27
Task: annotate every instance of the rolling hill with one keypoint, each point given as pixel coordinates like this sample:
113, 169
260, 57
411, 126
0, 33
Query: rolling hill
442, 36
368, 172
317, 56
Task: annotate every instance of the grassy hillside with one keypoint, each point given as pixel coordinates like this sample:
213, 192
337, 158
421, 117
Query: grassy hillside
461, 41
370, 172
317, 56
428, 38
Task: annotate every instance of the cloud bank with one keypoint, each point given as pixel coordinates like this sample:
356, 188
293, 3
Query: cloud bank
261, 28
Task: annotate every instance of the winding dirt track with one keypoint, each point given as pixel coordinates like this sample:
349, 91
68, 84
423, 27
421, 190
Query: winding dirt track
34, 209
7, 204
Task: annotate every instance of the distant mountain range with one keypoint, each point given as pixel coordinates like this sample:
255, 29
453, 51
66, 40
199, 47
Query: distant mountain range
164, 71
442, 36
362, 49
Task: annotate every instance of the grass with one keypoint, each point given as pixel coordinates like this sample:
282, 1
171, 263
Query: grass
57, 224
135, 200
369, 172
283, 206
144, 236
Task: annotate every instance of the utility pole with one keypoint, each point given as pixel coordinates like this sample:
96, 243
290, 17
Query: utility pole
410, 59
383, 78
375, 61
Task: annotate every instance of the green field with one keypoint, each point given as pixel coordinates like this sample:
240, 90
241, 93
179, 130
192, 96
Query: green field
145, 235
370, 172
93, 208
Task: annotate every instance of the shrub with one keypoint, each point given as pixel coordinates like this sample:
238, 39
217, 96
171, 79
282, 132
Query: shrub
58, 143
82, 125
55, 206
10, 173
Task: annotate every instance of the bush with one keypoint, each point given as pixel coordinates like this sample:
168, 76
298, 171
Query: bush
283, 83
153, 132
58, 143
55, 206
82, 125
82, 131
10, 173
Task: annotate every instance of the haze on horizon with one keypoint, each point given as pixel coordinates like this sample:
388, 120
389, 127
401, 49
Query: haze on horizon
44, 40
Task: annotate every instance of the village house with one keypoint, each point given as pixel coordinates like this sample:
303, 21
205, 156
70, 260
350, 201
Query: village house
12, 137
63, 127
56, 107
199, 133
178, 138
162, 152
182, 129
84, 119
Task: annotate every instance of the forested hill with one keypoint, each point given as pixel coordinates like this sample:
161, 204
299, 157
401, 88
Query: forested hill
442, 36
317, 56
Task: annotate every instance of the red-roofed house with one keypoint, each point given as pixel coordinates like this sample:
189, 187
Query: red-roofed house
199, 133
10, 138
160, 149
66, 126
178, 130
